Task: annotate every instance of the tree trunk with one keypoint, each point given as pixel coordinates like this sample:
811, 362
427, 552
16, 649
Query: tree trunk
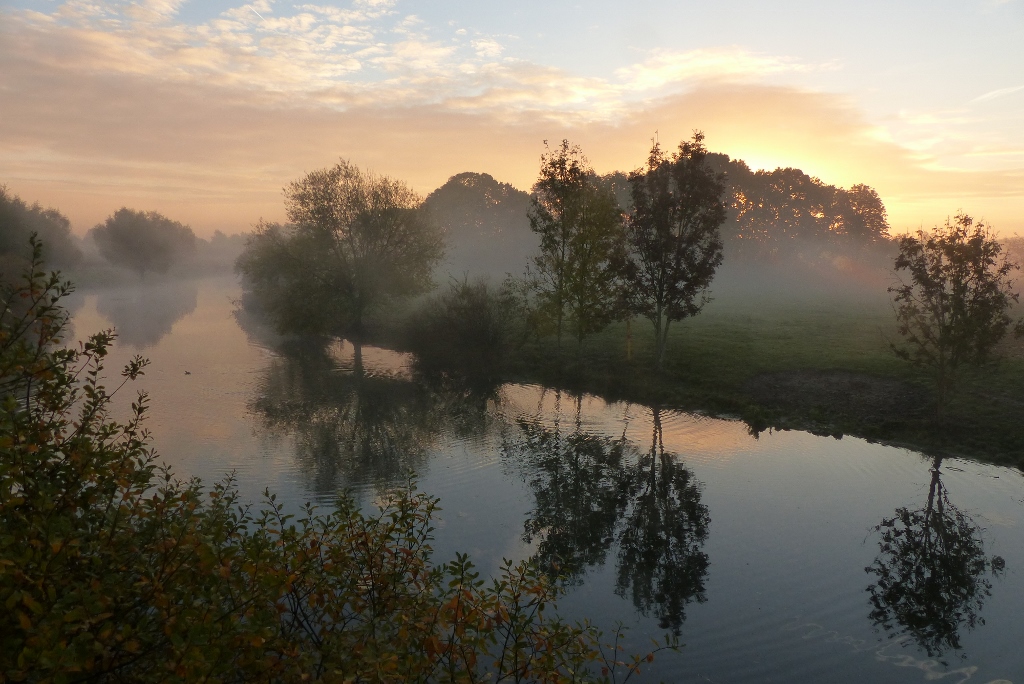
662, 343
357, 356
629, 339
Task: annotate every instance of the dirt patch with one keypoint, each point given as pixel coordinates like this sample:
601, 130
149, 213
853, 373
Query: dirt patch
837, 394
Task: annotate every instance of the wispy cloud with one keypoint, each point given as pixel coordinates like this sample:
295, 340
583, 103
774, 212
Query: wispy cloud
998, 93
363, 54
105, 104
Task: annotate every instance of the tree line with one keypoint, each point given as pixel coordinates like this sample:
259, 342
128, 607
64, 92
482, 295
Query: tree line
610, 248
144, 242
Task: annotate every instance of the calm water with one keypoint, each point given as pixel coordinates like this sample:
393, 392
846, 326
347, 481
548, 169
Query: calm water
759, 553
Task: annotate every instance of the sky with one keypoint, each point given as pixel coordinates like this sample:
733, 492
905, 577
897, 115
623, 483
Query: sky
205, 110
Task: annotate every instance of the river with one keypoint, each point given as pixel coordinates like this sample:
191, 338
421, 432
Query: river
786, 557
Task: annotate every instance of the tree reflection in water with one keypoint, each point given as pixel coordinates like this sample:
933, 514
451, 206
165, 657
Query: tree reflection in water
145, 313
593, 491
354, 428
930, 573
661, 559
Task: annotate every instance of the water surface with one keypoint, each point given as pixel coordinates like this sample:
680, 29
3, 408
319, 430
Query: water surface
783, 558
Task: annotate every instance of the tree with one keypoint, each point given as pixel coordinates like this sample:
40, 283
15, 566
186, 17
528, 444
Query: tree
672, 234
954, 309
485, 223
143, 241
356, 240
18, 221
579, 224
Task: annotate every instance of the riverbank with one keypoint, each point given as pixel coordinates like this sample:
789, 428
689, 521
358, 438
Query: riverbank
824, 366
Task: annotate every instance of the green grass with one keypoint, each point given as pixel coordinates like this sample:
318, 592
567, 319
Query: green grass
815, 352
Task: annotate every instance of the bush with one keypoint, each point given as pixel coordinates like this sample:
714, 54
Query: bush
472, 330
112, 570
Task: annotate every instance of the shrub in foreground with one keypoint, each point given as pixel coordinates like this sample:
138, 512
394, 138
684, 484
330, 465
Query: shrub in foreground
112, 570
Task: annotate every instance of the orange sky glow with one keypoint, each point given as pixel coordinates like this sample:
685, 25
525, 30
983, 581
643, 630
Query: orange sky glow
205, 121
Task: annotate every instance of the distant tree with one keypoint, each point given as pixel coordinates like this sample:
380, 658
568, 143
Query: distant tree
673, 235
579, 224
867, 219
485, 225
773, 213
954, 309
144, 241
355, 240
18, 221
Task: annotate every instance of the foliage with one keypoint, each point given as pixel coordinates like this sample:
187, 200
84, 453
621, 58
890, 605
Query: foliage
282, 286
18, 221
143, 241
112, 570
775, 213
673, 236
485, 224
472, 329
930, 572
579, 224
954, 309
356, 240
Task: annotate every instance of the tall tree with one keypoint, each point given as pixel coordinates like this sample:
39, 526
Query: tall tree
143, 241
356, 240
673, 236
579, 224
18, 221
955, 307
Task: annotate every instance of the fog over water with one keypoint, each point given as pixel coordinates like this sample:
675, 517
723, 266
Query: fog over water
775, 531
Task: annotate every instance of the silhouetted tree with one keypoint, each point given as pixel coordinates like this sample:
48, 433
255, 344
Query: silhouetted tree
18, 221
955, 307
143, 241
930, 572
579, 224
673, 236
661, 562
780, 212
485, 225
356, 239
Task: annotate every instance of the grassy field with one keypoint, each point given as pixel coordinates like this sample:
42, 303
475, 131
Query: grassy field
815, 363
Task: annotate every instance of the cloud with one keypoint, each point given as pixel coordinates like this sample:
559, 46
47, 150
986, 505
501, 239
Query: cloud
998, 93
207, 123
